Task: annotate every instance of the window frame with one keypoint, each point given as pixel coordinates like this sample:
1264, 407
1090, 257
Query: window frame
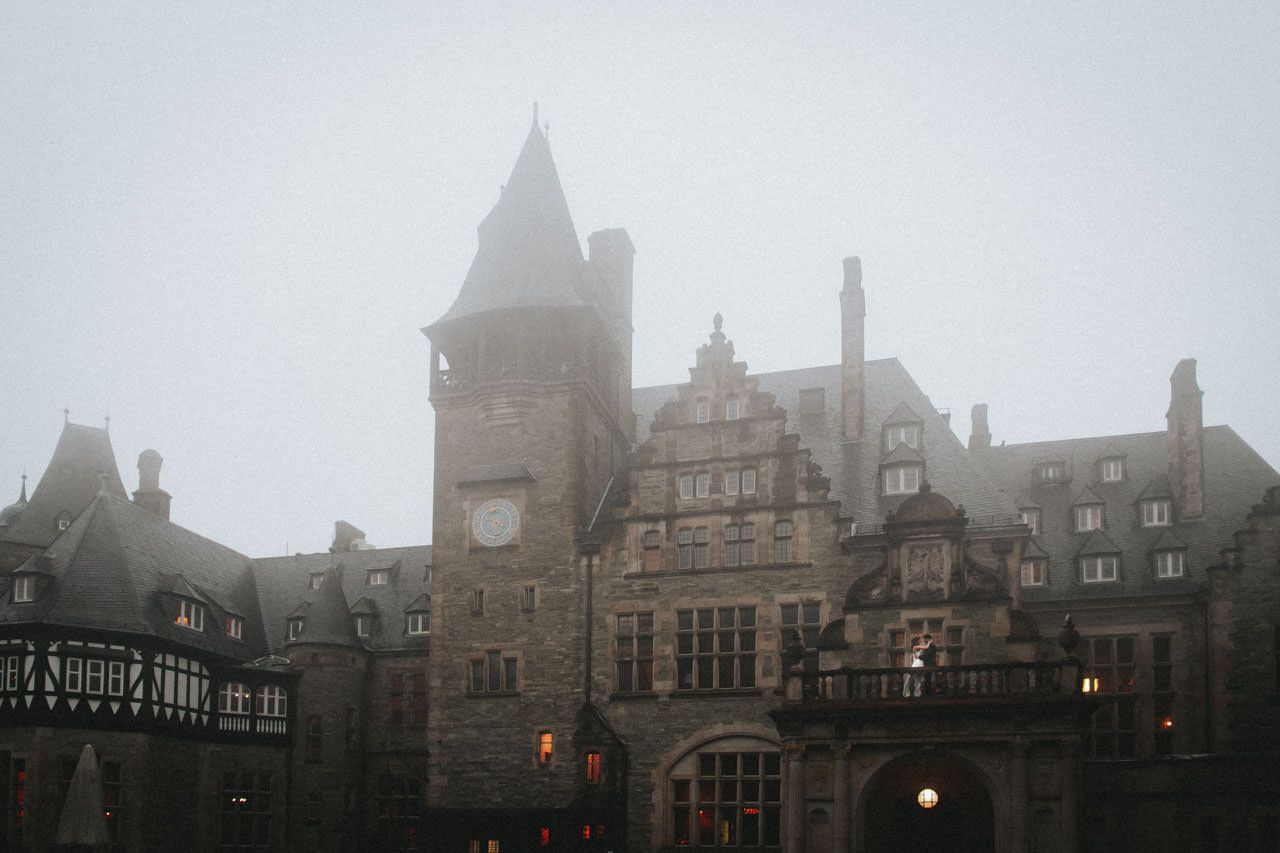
908, 434
1088, 517
235, 698
295, 628
499, 674
634, 646
271, 700
898, 484
1111, 469
732, 409
417, 623
1033, 572
1174, 560
702, 484
24, 589
706, 643
377, 577
1156, 512
234, 626
702, 411
684, 485
190, 615
1101, 562
1031, 518
784, 531
749, 476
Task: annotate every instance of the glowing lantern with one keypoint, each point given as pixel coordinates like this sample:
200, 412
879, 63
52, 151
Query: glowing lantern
927, 798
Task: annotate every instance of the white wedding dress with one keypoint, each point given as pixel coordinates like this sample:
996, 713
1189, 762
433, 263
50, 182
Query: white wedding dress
912, 684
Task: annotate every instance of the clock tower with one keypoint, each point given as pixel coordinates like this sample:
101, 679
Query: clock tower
531, 385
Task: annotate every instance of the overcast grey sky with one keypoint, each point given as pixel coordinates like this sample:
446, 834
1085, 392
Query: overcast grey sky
223, 224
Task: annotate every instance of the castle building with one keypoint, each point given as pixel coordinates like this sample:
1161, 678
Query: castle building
659, 618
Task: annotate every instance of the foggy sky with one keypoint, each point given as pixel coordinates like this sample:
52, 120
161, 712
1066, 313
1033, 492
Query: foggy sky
224, 224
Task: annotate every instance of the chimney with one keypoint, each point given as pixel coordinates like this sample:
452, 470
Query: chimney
612, 254
853, 313
149, 495
979, 432
346, 537
1186, 439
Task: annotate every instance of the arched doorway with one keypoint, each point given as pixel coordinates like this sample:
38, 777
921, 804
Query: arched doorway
962, 821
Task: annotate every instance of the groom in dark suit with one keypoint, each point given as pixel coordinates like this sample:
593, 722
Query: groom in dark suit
930, 658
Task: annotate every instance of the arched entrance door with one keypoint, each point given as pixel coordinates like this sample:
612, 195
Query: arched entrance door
962, 821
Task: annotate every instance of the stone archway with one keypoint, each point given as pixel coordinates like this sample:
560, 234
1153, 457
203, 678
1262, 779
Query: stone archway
963, 821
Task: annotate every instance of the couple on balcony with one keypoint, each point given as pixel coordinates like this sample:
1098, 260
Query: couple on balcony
924, 655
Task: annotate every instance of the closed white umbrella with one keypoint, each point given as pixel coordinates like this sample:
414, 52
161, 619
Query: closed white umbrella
82, 823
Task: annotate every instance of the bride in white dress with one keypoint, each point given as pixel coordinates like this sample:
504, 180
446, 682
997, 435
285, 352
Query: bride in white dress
913, 681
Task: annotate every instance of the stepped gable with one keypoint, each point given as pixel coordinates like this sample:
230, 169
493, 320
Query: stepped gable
120, 567
70, 482
854, 467
281, 583
1234, 475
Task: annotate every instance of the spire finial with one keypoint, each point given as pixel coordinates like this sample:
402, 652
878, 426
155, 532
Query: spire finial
108, 420
23, 496
535, 113
66, 416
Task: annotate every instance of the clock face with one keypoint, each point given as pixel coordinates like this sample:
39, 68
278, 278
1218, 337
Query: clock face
495, 522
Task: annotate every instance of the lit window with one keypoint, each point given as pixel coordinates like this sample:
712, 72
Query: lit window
235, 627
702, 485
1089, 517
493, 673
686, 486
730, 799
908, 434
1155, 513
748, 481
233, 698
652, 550
528, 598
295, 629
1110, 669
1097, 569
1170, 564
315, 580
546, 741
377, 577
190, 615
782, 532
901, 479
417, 623
362, 626
1111, 470
24, 589
1033, 572
1031, 518
1051, 472
494, 846
701, 547
732, 409
703, 411
271, 701
684, 547
594, 768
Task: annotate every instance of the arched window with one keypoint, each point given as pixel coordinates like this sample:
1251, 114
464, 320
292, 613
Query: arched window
271, 701
233, 698
747, 811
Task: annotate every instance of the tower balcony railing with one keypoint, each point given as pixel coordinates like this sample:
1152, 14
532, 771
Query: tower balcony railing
982, 681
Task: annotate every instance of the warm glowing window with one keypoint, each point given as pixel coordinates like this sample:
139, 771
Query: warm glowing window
1031, 518
727, 799
546, 742
235, 627
1170, 564
1155, 513
271, 701
1098, 569
901, 479
1109, 670
594, 768
24, 589
1089, 517
190, 615
1033, 572
233, 698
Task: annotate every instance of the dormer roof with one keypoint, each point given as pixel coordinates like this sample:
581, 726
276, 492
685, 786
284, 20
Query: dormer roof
1097, 543
1156, 487
1033, 551
419, 604
1087, 496
902, 455
1025, 501
902, 414
1168, 541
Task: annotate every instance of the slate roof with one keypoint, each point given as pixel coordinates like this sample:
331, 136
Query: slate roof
282, 584
528, 252
854, 467
70, 482
1235, 478
120, 567
327, 617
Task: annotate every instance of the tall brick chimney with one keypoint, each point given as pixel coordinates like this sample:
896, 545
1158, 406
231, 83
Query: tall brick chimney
149, 494
853, 314
979, 432
1186, 439
611, 253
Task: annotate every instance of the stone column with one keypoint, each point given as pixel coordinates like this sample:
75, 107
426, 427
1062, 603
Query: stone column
842, 807
795, 816
1018, 795
1073, 770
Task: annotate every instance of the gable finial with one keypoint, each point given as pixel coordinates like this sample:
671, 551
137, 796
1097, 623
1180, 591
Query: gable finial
66, 416
108, 420
535, 113
23, 497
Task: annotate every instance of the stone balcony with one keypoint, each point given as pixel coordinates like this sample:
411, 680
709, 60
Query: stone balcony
969, 683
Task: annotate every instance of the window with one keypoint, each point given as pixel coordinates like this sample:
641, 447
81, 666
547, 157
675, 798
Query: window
703, 411
190, 615
686, 486
1031, 518
1162, 693
748, 481
727, 799
528, 598
234, 627
1097, 569
418, 622
377, 577
732, 409
271, 701
1111, 470
362, 625
233, 698
1088, 517
1051, 472
731, 479
73, 675
95, 670
397, 802
477, 602
702, 485
115, 678
546, 744
1155, 513
1170, 564
701, 547
494, 673
64, 521
734, 546
908, 434
901, 479
9, 673
716, 648
295, 628
594, 766
1033, 572
901, 641
782, 532
315, 580
24, 589
652, 550
246, 811
1110, 672
315, 737
806, 619
635, 652
684, 547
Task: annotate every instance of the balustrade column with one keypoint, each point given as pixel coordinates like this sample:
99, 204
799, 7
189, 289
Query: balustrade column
795, 816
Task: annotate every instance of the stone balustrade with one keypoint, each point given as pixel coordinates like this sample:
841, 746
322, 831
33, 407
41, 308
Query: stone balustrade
971, 681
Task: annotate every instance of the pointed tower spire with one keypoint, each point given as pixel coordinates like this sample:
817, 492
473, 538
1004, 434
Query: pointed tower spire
23, 497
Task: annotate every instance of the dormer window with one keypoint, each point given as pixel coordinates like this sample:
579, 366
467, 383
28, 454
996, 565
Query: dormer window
901, 479
1088, 517
315, 580
24, 589
1031, 518
64, 520
732, 409
295, 628
1051, 472
377, 577
1033, 572
1111, 469
1156, 513
702, 411
418, 623
908, 434
235, 627
363, 625
190, 615
1170, 564
1101, 569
